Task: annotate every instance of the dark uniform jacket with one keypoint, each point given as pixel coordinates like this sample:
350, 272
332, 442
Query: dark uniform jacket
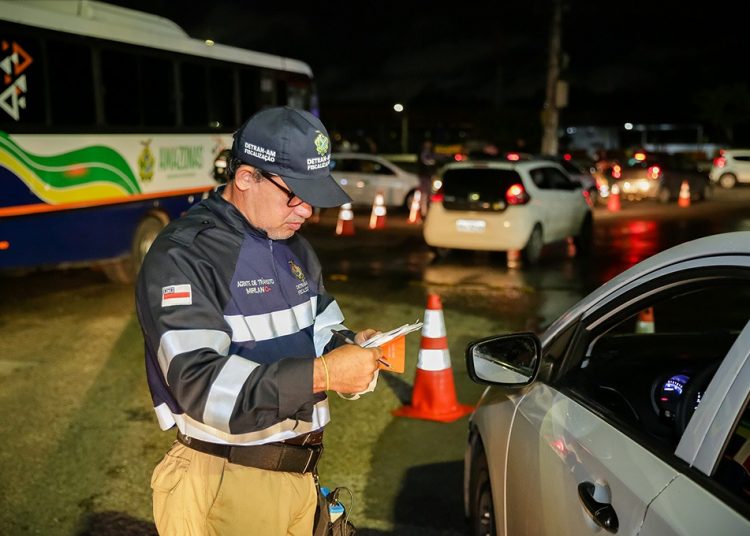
231, 321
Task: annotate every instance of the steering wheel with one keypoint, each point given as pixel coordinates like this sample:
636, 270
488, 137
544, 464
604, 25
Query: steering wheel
694, 390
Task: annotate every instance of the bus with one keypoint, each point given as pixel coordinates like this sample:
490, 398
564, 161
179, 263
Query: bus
110, 122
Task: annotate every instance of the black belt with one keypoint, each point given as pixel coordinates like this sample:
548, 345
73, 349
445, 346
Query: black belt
286, 457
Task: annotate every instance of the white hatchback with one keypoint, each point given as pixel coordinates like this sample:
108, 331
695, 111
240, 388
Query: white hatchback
363, 176
731, 167
630, 414
504, 206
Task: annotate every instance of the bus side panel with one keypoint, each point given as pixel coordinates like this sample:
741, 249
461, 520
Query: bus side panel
80, 235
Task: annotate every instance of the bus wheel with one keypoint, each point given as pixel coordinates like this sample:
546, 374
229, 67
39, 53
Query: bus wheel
144, 236
119, 271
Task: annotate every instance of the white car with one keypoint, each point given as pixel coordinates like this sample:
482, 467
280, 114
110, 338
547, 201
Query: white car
731, 167
506, 206
630, 414
363, 176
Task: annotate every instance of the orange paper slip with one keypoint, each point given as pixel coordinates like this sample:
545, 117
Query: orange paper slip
393, 344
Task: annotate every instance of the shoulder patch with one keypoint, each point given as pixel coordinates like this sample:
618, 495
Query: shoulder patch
186, 235
176, 295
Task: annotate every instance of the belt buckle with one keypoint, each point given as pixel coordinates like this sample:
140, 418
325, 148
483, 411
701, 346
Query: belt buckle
313, 458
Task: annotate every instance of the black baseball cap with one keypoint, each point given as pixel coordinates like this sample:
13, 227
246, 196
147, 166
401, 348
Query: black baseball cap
293, 144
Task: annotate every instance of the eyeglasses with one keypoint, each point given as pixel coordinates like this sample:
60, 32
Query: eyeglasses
291, 196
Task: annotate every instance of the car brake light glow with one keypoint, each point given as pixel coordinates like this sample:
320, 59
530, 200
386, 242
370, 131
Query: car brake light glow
567, 157
437, 197
640, 156
616, 171
587, 197
720, 162
516, 195
513, 157
4, 244
459, 157
654, 172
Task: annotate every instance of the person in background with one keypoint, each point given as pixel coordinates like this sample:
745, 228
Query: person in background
426, 167
239, 351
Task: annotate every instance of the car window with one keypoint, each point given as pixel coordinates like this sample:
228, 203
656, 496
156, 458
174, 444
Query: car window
733, 471
646, 368
345, 164
371, 166
486, 184
549, 178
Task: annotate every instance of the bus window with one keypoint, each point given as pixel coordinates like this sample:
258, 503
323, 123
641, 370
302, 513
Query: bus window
70, 82
267, 90
249, 91
120, 75
193, 88
221, 96
159, 102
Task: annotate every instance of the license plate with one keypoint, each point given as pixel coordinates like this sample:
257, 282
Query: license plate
471, 226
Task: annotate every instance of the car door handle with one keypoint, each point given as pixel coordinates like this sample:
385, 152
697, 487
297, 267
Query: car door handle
603, 514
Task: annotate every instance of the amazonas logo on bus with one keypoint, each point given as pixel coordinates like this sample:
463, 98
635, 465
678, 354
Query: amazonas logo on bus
15, 60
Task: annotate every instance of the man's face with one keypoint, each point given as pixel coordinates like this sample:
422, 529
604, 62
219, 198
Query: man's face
265, 205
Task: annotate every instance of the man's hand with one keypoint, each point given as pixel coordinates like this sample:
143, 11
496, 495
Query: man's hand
351, 368
365, 334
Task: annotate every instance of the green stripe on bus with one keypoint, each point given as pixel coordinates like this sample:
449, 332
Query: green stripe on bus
95, 163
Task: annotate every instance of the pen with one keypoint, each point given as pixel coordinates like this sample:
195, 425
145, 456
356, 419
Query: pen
347, 340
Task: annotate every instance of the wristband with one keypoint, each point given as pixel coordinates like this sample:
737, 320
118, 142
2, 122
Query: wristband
325, 366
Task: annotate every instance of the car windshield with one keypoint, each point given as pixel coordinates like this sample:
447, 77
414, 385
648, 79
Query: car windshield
487, 184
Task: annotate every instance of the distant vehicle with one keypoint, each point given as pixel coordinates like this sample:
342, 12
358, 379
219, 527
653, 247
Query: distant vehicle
659, 176
629, 415
579, 174
731, 167
363, 176
110, 122
507, 205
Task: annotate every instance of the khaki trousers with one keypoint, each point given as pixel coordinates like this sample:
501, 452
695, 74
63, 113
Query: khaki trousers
196, 494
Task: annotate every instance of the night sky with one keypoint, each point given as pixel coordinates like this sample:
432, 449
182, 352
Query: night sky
484, 63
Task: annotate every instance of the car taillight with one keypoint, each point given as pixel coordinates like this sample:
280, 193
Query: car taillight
720, 162
513, 157
516, 195
654, 172
616, 171
438, 196
587, 198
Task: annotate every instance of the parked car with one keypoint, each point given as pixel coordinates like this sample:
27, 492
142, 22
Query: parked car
507, 205
732, 166
616, 421
579, 174
659, 176
363, 176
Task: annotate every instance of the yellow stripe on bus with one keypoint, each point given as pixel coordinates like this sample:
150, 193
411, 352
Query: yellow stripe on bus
22, 210
52, 195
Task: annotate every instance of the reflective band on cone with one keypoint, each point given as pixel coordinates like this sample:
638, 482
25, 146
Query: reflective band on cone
415, 210
345, 223
434, 394
377, 216
684, 198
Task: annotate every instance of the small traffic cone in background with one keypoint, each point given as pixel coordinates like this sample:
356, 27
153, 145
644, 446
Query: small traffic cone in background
377, 216
434, 394
415, 210
684, 199
513, 258
645, 322
613, 204
571, 247
345, 223
315, 218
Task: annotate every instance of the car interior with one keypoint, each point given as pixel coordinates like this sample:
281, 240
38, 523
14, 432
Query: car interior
648, 369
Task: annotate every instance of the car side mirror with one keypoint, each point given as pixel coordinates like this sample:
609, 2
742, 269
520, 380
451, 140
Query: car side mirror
508, 360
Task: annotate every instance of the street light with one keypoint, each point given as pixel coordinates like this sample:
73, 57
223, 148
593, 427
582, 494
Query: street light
399, 108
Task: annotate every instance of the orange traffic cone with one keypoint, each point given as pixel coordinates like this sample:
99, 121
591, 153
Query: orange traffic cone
434, 394
613, 205
345, 223
377, 216
571, 247
513, 258
645, 322
415, 210
684, 199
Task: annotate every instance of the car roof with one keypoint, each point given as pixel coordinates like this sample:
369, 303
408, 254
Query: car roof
500, 164
735, 243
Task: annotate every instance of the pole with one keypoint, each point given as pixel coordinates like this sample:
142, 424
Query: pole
551, 112
404, 133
